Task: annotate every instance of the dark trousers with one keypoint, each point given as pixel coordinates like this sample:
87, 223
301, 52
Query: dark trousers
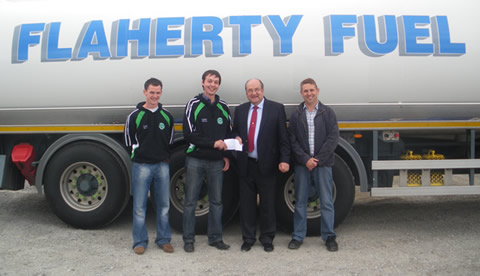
251, 185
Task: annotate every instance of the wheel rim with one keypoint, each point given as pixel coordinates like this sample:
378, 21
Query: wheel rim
177, 194
313, 206
83, 186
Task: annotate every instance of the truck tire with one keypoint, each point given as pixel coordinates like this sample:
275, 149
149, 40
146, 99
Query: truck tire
86, 185
177, 183
343, 194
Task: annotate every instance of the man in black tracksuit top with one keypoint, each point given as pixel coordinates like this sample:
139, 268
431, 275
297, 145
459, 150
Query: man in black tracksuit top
149, 141
206, 123
148, 133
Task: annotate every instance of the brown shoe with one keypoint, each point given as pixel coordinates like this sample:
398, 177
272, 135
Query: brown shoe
139, 250
167, 248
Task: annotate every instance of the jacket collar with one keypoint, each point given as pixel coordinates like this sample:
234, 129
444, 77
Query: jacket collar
301, 107
206, 100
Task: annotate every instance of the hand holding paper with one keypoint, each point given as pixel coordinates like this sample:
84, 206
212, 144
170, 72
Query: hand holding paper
233, 144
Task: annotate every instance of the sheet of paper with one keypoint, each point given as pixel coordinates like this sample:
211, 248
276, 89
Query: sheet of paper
233, 144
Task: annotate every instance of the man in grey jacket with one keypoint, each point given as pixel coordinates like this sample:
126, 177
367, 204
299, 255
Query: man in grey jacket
313, 136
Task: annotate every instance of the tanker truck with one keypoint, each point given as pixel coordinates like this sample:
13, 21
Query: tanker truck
402, 77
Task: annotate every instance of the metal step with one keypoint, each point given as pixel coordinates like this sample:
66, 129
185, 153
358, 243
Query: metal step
425, 191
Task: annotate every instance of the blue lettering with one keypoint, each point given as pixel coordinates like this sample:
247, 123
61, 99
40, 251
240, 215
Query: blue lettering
409, 31
242, 34
338, 27
441, 38
282, 32
23, 39
53, 53
367, 35
200, 30
92, 40
163, 35
139, 36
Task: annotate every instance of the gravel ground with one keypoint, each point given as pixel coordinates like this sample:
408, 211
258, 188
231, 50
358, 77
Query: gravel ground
382, 236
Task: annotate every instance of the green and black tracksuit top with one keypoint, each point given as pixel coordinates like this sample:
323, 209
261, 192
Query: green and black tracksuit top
148, 134
203, 124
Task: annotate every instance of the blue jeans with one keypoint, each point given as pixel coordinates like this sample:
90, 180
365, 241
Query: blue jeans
197, 169
323, 181
144, 175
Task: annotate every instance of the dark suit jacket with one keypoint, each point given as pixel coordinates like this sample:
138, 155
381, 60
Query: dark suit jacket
273, 145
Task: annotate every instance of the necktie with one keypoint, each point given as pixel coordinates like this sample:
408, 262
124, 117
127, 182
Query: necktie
251, 130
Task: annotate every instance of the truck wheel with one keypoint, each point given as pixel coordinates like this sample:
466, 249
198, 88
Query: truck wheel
86, 185
343, 195
177, 184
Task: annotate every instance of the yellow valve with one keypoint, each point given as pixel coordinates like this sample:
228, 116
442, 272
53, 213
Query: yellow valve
410, 156
431, 155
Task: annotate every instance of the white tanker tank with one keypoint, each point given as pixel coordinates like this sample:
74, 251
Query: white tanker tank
400, 75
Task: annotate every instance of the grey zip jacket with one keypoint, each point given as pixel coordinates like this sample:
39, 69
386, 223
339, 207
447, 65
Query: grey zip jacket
326, 135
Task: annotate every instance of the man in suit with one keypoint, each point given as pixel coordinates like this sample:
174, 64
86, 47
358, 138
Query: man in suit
260, 125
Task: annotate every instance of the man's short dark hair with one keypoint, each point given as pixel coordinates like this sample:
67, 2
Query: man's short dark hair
212, 72
308, 81
152, 82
